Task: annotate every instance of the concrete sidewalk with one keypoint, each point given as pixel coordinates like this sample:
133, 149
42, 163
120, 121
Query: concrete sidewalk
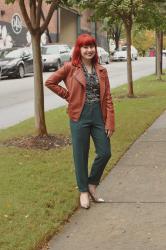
135, 217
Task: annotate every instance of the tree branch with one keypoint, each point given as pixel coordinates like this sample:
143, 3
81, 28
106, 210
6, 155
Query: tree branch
32, 6
54, 4
26, 17
38, 12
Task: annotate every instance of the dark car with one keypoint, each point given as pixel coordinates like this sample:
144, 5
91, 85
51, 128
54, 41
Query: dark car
54, 55
16, 62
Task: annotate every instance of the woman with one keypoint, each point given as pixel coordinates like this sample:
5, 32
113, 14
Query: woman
91, 113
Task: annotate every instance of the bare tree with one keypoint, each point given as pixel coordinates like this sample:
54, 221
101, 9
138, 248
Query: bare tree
32, 13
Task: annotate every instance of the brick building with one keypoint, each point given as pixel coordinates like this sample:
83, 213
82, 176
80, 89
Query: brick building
65, 25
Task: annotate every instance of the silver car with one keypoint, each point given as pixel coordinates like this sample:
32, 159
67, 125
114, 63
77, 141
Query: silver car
54, 55
103, 55
121, 54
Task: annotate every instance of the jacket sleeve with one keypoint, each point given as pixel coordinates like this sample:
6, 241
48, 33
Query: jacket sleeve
53, 82
110, 117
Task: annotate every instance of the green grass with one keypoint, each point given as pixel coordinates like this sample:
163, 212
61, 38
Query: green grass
37, 188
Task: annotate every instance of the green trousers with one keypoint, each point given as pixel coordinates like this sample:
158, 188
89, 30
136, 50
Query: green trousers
89, 125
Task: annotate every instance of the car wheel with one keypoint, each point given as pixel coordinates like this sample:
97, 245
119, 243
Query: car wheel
58, 64
45, 69
132, 58
108, 61
100, 60
21, 71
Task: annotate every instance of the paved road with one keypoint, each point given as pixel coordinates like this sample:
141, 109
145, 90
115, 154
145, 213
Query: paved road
17, 99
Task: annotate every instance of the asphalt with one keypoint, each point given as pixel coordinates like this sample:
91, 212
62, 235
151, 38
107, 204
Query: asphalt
134, 218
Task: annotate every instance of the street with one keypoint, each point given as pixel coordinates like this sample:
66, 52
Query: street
17, 98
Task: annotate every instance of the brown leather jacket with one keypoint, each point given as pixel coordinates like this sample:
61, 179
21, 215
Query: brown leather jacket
75, 91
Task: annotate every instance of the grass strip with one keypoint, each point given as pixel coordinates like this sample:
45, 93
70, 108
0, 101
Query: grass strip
38, 191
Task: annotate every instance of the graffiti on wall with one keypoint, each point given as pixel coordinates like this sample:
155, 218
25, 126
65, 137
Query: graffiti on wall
6, 36
44, 39
16, 23
6, 40
14, 34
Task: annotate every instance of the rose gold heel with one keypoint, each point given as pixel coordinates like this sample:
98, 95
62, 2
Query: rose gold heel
84, 200
92, 191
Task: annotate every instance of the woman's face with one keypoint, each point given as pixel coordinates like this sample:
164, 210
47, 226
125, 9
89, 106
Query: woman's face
88, 52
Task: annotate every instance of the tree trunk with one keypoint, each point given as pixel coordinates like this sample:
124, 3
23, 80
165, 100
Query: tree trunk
117, 33
161, 65
129, 63
38, 86
116, 39
158, 55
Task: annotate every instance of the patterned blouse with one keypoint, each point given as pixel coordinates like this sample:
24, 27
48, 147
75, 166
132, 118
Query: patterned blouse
92, 86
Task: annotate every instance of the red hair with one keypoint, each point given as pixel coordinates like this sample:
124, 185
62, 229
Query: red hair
82, 40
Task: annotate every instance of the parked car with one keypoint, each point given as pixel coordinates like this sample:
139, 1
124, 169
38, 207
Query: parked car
164, 52
71, 52
16, 62
103, 55
121, 54
54, 55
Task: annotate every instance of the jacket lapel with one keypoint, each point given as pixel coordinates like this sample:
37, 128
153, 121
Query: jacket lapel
79, 76
101, 76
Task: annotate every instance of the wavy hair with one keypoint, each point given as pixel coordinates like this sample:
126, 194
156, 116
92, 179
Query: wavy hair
82, 40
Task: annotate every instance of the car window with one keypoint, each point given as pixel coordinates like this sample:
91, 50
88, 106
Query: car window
50, 50
67, 48
124, 48
2, 53
12, 54
62, 49
25, 53
29, 51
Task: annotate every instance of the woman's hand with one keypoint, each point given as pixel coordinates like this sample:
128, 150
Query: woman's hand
109, 132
